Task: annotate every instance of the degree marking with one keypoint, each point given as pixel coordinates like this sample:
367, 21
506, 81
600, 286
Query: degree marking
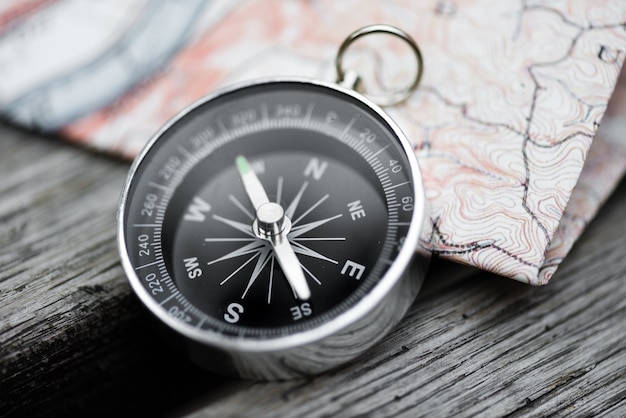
186, 153
159, 186
148, 265
348, 126
309, 112
371, 157
170, 297
396, 185
201, 322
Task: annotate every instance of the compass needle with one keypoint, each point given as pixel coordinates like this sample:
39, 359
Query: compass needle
279, 189
290, 264
252, 184
272, 225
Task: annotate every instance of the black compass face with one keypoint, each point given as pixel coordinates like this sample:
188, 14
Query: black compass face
268, 210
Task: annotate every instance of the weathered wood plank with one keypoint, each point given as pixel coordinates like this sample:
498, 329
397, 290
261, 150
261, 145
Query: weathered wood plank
75, 341
73, 337
487, 347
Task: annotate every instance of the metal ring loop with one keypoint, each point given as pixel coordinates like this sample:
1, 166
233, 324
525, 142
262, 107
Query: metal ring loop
393, 97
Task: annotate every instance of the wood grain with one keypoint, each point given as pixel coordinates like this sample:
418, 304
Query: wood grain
75, 341
73, 337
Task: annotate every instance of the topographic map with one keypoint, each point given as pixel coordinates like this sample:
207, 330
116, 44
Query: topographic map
503, 122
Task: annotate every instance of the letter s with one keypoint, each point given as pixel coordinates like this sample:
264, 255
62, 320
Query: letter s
232, 313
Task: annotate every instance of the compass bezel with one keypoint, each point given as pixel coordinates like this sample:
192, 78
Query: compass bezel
361, 325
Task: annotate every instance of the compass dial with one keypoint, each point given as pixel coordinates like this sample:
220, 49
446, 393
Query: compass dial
268, 211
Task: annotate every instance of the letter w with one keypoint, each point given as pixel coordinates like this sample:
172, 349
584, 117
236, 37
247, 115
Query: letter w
196, 210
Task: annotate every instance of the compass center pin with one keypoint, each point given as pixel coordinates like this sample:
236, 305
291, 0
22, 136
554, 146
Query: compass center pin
270, 219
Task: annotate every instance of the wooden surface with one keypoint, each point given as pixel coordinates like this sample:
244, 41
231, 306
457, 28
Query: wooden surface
75, 341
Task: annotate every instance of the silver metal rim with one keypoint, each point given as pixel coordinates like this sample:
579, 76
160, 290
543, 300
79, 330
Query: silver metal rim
343, 320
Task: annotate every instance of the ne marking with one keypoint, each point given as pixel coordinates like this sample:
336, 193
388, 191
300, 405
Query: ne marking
146, 225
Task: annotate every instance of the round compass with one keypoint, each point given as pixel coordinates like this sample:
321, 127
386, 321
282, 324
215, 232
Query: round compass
272, 228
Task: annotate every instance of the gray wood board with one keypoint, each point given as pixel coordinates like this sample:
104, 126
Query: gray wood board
75, 341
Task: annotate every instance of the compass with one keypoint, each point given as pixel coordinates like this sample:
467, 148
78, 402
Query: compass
272, 228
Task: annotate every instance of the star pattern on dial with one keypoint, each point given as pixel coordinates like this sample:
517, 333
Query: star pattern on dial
260, 252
